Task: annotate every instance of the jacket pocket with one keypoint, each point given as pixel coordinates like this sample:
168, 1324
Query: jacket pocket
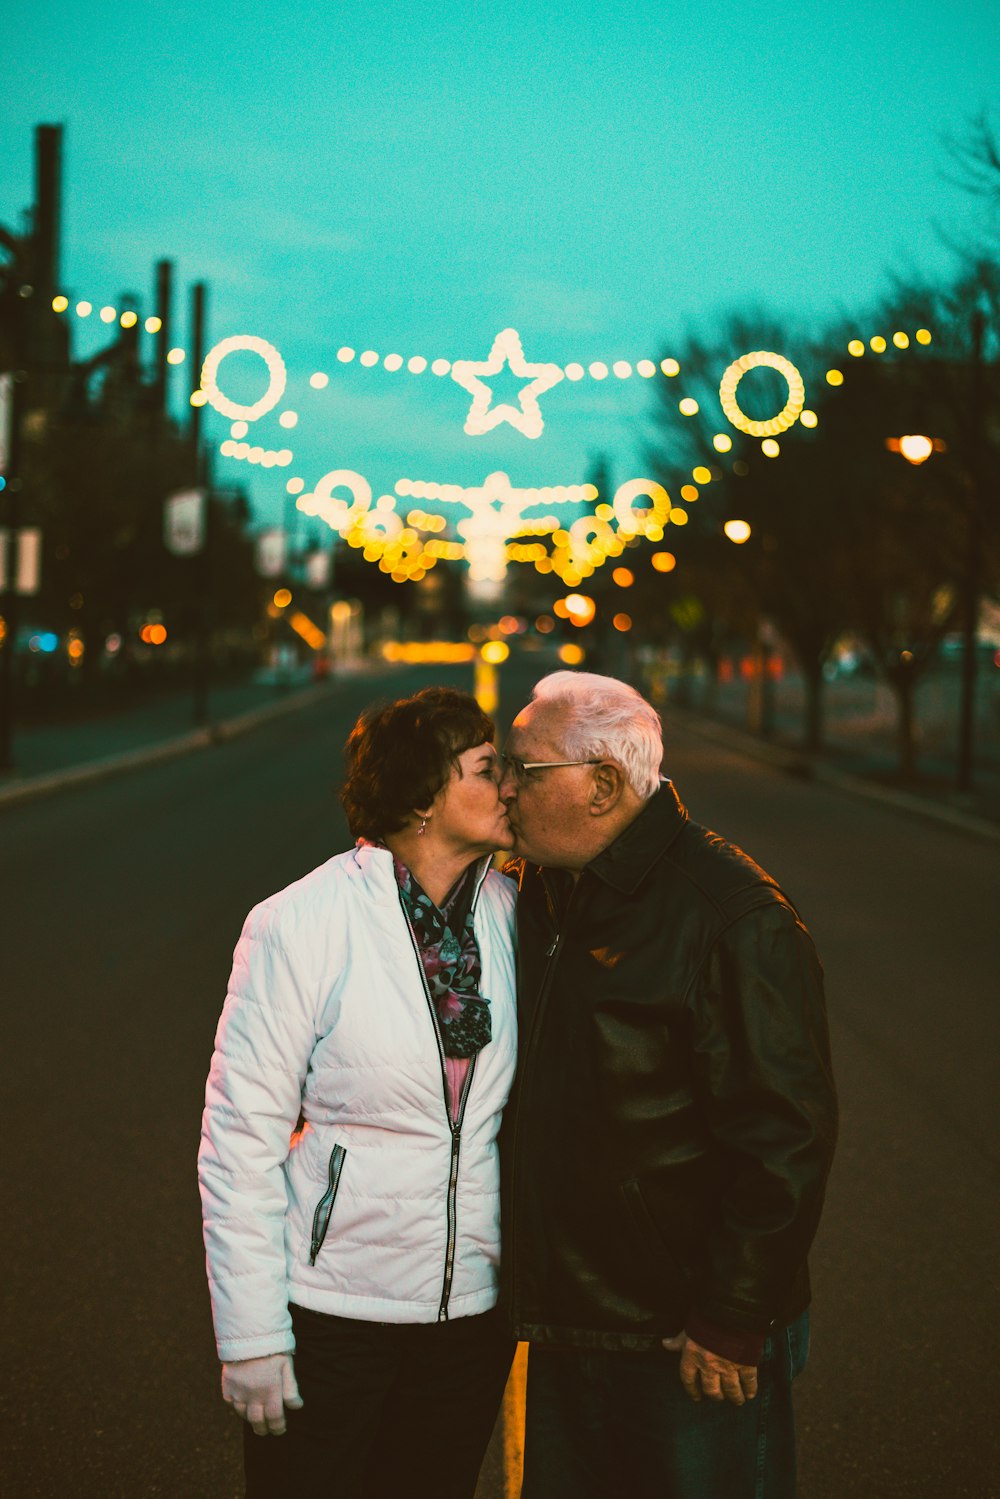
324, 1208
663, 1254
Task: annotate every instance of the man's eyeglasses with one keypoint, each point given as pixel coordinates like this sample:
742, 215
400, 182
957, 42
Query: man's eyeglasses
519, 769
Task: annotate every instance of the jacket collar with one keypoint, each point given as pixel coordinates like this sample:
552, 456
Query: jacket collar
625, 863
373, 863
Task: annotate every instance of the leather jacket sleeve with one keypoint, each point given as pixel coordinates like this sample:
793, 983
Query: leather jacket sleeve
761, 1055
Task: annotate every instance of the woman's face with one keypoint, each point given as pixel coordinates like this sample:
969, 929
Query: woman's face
467, 811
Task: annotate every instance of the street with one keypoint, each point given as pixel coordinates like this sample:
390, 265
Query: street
121, 903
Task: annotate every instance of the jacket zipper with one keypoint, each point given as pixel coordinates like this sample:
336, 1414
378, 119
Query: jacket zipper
324, 1208
552, 957
454, 1125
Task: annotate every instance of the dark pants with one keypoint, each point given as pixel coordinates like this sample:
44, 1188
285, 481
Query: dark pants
603, 1423
389, 1409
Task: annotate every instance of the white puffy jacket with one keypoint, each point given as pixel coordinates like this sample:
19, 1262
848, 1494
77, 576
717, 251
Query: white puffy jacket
376, 1207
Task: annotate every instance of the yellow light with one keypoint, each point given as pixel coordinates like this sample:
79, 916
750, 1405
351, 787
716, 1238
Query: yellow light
856, 347
664, 562
198, 398
646, 368
580, 609
288, 419
622, 622
809, 419
901, 340
722, 442
282, 598
834, 377
623, 576
915, 448
786, 417
109, 314
702, 475
678, 517
689, 493
571, 655
688, 407
153, 324
75, 649
84, 309
670, 367
129, 319
604, 512
176, 356
923, 336
304, 627
59, 304
737, 530
494, 651
877, 344
770, 448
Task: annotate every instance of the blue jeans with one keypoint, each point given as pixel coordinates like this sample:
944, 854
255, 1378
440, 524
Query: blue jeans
600, 1423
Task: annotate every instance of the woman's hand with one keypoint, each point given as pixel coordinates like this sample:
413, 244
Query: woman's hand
258, 1389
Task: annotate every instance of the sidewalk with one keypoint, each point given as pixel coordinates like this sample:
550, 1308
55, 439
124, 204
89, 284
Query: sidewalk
861, 768
48, 757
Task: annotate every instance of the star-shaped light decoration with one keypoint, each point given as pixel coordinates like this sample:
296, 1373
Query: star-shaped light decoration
526, 417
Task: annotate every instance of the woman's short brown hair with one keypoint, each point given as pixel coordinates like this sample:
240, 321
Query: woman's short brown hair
400, 754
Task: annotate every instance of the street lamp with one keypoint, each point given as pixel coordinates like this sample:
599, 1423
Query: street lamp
915, 447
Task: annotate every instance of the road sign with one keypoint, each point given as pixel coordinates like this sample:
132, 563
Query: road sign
23, 572
184, 522
269, 553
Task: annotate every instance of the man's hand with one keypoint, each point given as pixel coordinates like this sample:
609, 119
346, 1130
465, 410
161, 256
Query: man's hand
258, 1389
705, 1373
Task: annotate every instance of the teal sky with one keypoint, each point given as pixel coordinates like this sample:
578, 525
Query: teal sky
413, 177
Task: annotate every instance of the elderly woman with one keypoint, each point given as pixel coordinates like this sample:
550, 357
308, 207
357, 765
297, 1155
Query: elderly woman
348, 1164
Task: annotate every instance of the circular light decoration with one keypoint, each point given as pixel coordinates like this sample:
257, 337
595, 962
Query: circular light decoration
275, 371
632, 522
338, 514
737, 531
786, 417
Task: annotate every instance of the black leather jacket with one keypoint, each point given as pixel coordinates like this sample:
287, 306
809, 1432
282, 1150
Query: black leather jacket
667, 1142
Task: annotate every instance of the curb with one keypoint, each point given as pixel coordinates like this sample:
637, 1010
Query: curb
153, 754
799, 763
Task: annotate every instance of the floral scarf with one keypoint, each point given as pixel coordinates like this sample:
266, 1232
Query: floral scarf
449, 955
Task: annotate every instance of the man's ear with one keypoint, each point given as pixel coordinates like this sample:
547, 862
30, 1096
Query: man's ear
608, 789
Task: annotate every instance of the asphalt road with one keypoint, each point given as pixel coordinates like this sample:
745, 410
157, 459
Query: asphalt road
119, 907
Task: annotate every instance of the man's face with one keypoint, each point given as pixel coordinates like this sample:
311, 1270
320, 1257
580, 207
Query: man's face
548, 809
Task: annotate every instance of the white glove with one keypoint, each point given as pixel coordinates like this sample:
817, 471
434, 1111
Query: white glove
258, 1389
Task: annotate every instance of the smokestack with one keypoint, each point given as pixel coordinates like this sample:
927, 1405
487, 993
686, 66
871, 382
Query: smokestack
197, 355
164, 299
48, 210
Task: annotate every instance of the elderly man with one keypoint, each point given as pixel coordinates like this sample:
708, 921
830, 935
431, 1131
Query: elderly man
670, 1133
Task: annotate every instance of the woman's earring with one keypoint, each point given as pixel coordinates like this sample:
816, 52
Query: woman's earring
420, 829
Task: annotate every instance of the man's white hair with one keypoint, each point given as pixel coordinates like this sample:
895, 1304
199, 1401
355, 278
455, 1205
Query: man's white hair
607, 720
